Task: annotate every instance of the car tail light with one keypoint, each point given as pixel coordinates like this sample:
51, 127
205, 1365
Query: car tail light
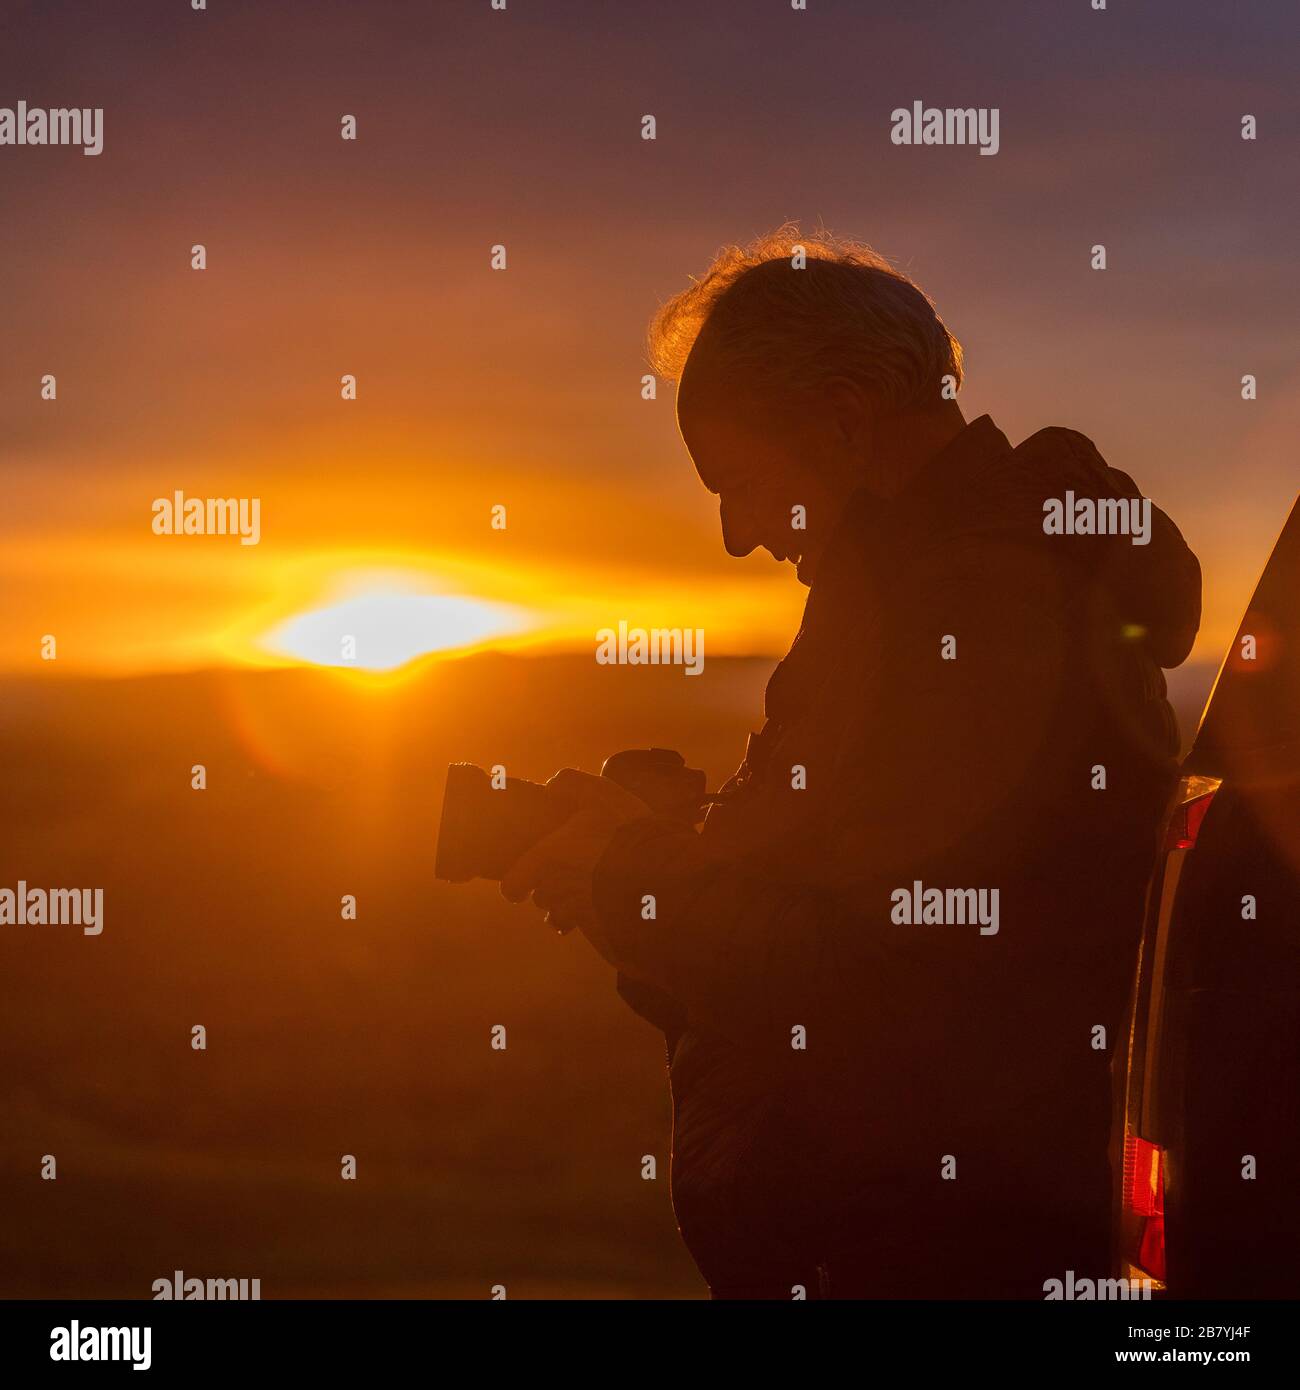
1185, 820
1144, 1200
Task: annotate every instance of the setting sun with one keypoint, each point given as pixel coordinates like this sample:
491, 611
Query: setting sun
384, 629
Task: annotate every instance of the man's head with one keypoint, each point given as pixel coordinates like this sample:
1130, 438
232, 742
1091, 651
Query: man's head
802, 378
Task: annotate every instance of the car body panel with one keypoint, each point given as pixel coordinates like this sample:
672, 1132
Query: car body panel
1208, 1093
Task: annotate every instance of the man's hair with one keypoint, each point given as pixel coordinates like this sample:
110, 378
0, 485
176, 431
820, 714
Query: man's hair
847, 312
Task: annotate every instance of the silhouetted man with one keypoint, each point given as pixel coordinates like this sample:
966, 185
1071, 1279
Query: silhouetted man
892, 967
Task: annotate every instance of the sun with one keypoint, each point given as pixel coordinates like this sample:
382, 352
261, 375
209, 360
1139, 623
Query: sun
388, 627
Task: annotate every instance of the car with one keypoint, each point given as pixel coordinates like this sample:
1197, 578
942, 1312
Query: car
1206, 1139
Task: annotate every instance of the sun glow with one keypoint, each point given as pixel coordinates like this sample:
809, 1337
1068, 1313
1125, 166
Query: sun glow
386, 628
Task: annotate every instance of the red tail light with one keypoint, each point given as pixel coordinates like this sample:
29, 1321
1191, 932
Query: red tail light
1144, 1199
1185, 821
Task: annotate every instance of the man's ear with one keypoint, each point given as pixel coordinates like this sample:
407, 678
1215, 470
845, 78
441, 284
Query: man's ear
849, 409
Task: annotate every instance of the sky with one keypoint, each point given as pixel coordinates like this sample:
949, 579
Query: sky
522, 387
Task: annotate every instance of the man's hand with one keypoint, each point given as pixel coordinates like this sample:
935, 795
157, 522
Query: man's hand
557, 870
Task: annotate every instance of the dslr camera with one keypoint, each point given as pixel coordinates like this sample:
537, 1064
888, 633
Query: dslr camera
486, 828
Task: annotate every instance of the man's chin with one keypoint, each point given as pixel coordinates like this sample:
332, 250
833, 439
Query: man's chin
803, 564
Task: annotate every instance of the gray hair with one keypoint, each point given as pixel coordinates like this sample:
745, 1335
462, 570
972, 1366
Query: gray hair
846, 312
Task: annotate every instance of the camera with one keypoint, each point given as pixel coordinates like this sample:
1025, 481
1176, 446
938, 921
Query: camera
486, 827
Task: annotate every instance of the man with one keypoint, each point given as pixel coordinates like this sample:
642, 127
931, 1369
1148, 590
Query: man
892, 966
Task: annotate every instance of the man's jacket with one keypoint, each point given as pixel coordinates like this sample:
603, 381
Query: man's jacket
879, 1090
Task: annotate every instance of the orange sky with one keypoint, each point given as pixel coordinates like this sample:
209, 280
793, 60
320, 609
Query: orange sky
522, 387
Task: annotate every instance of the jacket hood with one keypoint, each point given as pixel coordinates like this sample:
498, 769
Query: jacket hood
1151, 576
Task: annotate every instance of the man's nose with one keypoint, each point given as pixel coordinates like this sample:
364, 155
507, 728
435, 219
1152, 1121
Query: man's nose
738, 536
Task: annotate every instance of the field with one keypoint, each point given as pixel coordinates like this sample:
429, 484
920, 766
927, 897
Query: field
325, 1036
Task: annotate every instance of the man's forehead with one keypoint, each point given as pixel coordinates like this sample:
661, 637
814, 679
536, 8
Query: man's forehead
703, 377
724, 451
702, 420
708, 402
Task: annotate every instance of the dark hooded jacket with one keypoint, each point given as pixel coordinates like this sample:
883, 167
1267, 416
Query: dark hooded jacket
866, 1105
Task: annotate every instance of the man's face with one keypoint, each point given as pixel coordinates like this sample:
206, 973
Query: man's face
778, 486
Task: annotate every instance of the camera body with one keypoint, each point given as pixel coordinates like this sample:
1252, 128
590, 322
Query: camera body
485, 828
